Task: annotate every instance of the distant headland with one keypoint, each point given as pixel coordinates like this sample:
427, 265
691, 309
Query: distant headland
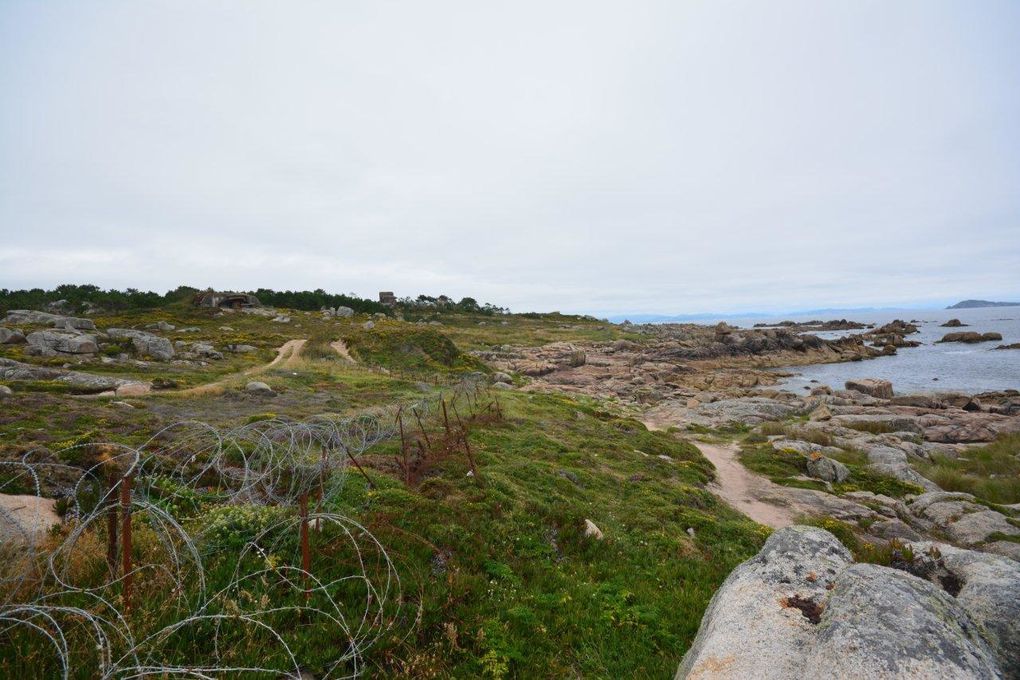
974, 304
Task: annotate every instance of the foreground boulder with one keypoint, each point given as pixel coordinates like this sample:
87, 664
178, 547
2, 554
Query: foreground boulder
881, 389
802, 609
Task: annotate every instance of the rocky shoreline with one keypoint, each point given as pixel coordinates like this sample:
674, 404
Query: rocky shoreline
947, 603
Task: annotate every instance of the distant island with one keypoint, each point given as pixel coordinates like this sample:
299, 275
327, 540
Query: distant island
974, 304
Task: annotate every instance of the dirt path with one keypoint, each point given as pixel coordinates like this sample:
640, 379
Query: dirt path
341, 348
286, 356
745, 490
758, 497
292, 348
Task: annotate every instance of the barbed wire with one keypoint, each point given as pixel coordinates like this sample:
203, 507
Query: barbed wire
77, 600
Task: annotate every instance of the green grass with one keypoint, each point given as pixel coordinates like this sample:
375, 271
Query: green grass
521, 591
792, 431
992, 472
861, 549
409, 349
871, 426
783, 467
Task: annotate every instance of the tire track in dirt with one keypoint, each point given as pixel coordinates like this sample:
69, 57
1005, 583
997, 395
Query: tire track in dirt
286, 356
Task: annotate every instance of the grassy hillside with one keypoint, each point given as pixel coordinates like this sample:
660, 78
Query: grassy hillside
497, 576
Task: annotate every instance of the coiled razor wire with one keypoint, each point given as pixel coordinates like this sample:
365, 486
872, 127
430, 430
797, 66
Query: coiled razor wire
65, 591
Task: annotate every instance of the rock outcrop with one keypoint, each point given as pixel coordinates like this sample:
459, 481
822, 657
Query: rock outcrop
28, 316
970, 337
86, 382
880, 389
801, 609
11, 336
58, 342
146, 344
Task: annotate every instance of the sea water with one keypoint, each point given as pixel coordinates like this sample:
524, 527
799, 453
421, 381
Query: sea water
932, 367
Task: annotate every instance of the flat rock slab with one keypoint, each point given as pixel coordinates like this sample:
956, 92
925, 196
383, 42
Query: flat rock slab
24, 517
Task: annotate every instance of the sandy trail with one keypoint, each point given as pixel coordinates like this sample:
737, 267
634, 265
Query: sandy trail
286, 356
746, 491
743, 489
341, 348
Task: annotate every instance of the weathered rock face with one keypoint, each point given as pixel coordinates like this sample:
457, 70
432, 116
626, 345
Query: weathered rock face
881, 389
15, 370
56, 342
966, 427
11, 336
883, 623
988, 589
961, 518
827, 469
146, 344
801, 609
749, 630
751, 410
20, 316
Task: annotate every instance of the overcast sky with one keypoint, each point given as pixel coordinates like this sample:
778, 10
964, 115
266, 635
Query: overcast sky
588, 156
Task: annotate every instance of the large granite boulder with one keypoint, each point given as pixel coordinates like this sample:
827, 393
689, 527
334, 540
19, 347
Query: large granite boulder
802, 609
881, 389
57, 342
146, 344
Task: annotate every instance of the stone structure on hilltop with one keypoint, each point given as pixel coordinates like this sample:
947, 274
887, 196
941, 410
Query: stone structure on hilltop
225, 299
